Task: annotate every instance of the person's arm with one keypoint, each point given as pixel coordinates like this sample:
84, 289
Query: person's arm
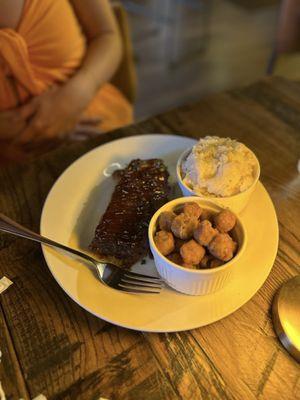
104, 44
57, 111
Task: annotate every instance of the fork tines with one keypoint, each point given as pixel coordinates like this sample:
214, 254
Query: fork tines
136, 289
131, 274
140, 283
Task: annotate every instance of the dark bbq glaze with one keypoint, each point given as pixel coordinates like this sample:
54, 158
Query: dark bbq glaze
122, 231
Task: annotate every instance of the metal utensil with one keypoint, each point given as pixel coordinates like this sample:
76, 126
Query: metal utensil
110, 274
286, 313
286, 316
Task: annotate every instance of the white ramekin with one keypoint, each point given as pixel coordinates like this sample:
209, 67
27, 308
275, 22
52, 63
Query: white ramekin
237, 203
191, 281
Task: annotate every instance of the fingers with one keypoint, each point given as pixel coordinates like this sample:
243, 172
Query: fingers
41, 130
28, 109
34, 129
26, 136
33, 125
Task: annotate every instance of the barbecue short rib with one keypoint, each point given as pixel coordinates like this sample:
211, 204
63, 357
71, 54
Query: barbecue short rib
121, 235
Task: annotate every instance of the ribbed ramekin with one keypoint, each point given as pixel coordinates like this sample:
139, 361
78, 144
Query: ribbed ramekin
192, 281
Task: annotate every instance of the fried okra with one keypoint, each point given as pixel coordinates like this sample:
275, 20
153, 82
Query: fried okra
165, 220
164, 242
192, 210
204, 233
183, 226
225, 221
192, 252
222, 247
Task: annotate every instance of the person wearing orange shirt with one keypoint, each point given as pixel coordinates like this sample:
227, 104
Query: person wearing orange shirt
56, 59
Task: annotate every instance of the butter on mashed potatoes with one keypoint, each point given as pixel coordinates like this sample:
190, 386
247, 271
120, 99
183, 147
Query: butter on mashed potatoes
219, 167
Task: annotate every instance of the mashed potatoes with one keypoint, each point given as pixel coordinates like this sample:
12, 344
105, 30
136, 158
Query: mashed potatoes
219, 167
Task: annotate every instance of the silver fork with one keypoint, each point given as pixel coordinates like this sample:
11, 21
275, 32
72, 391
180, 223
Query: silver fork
110, 274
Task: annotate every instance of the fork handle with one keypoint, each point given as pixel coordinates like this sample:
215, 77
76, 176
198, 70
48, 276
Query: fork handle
9, 226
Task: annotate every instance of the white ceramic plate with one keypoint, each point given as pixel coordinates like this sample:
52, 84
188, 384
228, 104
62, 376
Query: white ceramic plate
72, 211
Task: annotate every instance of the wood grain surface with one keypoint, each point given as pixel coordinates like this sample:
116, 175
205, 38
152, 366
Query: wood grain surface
51, 346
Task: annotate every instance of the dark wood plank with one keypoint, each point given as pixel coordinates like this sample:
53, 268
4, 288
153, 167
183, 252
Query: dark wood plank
65, 353
11, 378
192, 373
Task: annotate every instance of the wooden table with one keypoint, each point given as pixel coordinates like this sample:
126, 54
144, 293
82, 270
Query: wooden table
51, 346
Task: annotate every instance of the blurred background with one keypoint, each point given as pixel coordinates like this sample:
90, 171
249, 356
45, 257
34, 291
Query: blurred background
186, 49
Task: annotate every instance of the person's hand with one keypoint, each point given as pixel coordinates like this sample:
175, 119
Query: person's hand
12, 123
55, 113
